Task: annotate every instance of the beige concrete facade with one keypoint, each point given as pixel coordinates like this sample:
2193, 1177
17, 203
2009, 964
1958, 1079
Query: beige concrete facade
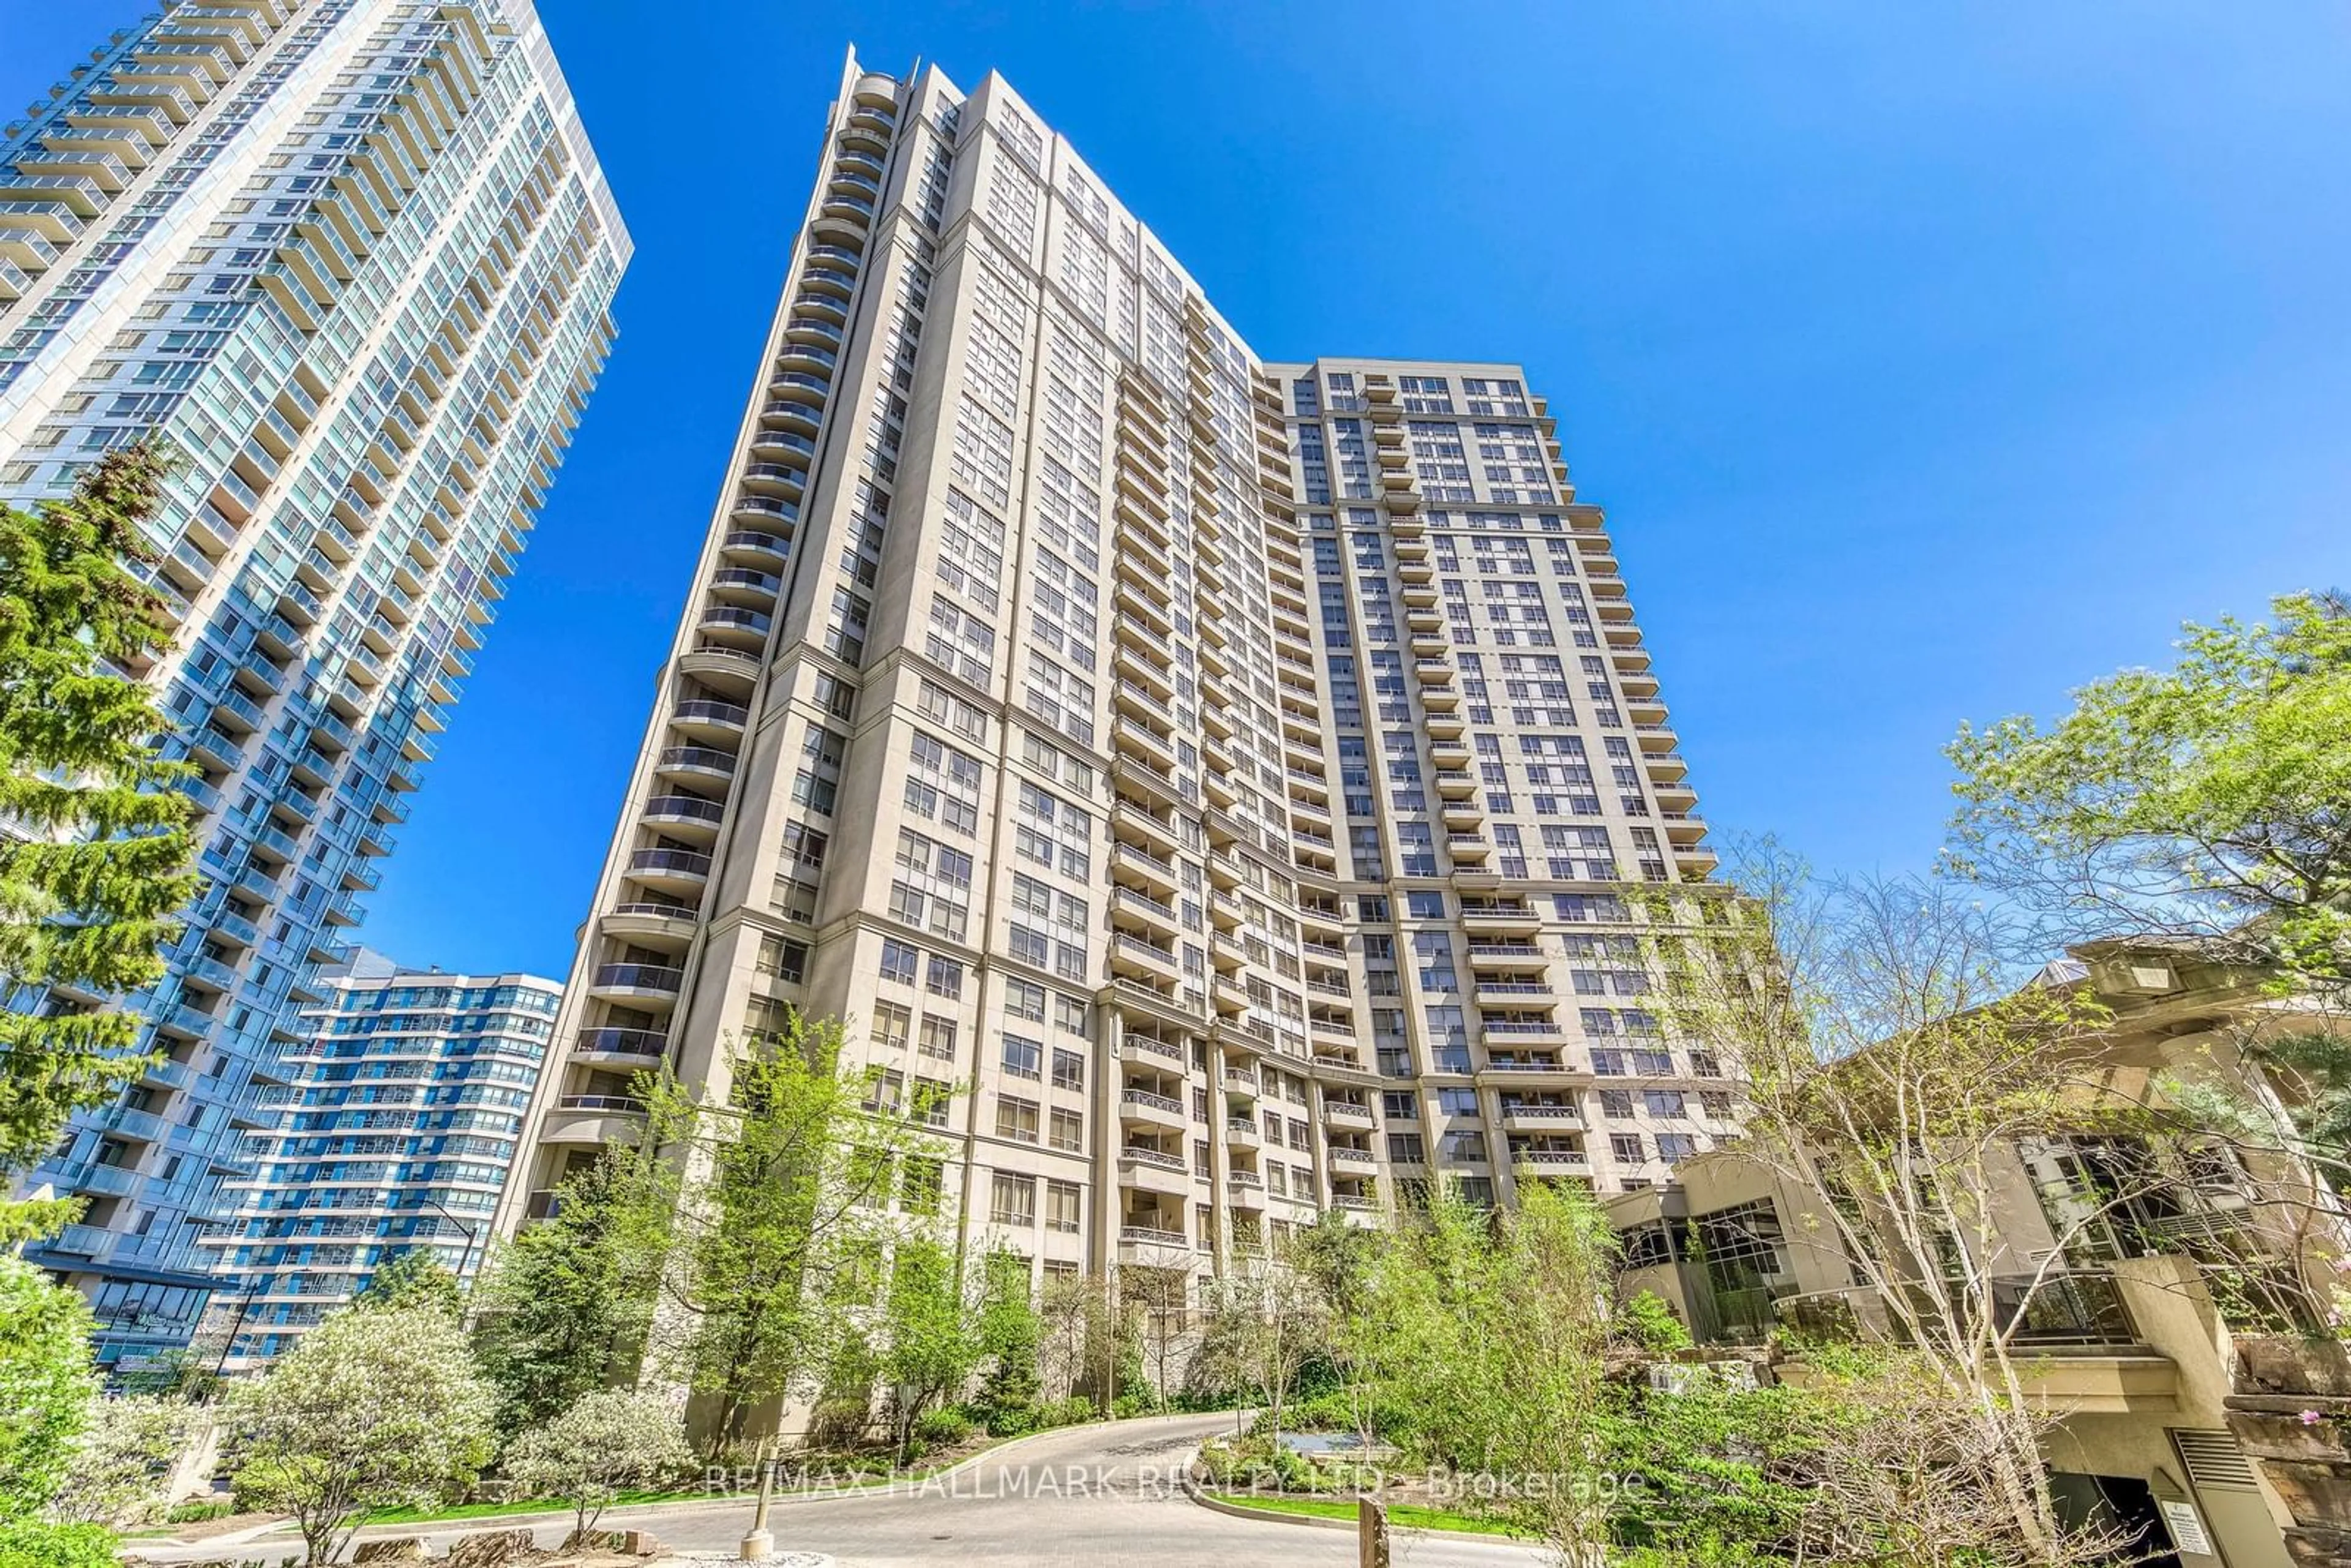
998, 725
2134, 1335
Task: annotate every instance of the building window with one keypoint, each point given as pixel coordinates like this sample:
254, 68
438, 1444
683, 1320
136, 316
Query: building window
920, 1182
1012, 1200
1016, 1119
1064, 1206
1023, 1058
944, 977
1067, 1131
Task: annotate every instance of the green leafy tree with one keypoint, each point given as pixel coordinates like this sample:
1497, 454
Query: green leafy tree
91, 882
563, 1308
1268, 1320
611, 1439
34, 1543
930, 1333
1891, 1067
122, 1469
2209, 803
371, 1409
1494, 1330
46, 1386
771, 1208
414, 1279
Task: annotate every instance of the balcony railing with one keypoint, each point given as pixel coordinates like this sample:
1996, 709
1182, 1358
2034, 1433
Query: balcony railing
638, 977
621, 1041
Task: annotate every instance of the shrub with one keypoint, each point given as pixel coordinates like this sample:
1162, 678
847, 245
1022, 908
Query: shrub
608, 1441
374, 1408
942, 1428
47, 1388
122, 1465
197, 1512
1337, 1411
1013, 1420
1648, 1321
1067, 1412
26, 1544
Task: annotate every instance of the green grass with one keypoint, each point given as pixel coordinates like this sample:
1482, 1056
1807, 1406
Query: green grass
1402, 1515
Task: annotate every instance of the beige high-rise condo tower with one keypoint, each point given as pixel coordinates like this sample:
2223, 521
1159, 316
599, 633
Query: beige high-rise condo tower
1224, 771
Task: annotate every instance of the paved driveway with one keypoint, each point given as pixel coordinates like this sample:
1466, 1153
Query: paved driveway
1088, 1496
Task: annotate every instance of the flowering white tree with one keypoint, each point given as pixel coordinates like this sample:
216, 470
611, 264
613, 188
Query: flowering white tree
121, 1472
613, 1439
374, 1408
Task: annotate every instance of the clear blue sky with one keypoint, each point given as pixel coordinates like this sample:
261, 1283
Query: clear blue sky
1928, 360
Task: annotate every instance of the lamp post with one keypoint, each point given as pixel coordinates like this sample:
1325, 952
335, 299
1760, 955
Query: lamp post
465, 1258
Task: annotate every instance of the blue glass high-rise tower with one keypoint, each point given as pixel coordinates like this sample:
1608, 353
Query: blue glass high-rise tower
353, 259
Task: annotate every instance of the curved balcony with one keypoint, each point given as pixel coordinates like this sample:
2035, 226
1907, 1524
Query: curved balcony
836, 256
768, 509
861, 160
1147, 1108
831, 271
793, 415
664, 926
879, 90
844, 207
864, 140
730, 624
872, 117
783, 445
639, 1048
593, 1119
755, 546
815, 328
801, 356
671, 871
635, 983
793, 386
688, 814
730, 670
707, 719
839, 231
850, 181
784, 479
741, 585
695, 762
1144, 1169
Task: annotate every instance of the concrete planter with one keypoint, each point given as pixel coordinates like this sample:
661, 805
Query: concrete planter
2296, 1366
2317, 1547
2281, 1435
2312, 1492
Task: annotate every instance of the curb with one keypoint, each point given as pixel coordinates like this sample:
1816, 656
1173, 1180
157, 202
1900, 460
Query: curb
1193, 1490
461, 1527
1266, 1515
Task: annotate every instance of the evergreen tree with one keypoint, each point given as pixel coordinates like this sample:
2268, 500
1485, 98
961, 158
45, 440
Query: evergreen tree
93, 858
1010, 1336
565, 1304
